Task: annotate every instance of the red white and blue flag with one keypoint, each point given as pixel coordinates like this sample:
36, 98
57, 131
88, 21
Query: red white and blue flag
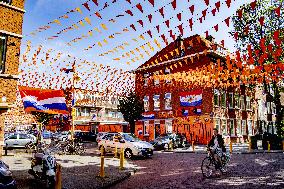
193, 98
43, 100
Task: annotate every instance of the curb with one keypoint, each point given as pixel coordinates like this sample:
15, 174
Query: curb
258, 152
117, 181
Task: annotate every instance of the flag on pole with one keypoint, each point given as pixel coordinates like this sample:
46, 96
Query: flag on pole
43, 100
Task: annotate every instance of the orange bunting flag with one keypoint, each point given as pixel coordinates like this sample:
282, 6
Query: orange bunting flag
104, 26
78, 10
57, 22
81, 23
88, 20
98, 15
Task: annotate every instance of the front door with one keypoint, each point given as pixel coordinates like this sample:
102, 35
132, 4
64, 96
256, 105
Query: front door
157, 128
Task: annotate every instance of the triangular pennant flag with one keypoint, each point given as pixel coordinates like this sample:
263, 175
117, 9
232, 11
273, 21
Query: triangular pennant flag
206, 34
104, 26
228, 2
149, 33
128, 1
78, 10
277, 11
174, 4
57, 22
142, 37
191, 8
90, 33
81, 23
158, 28
88, 20
206, 2
179, 16
139, 7
75, 26
150, 18
98, 15
86, 6
161, 10
240, 13
204, 12
167, 23
227, 21
129, 12
214, 11
190, 23
261, 20
133, 27
140, 22
218, 4
180, 29
152, 2
99, 43
253, 5
105, 41
216, 27
96, 2
97, 29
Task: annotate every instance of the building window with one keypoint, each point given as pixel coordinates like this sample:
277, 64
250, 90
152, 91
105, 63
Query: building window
237, 100
216, 97
146, 103
6, 1
167, 71
85, 111
169, 126
250, 127
239, 127
2, 53
156, 99
146, 78
224, 128
78, 112
217, 124
168, 103
223, 99
232, 128
242, 102
156, 79
244, 128
248, 105
146, 128
273, 108
231, 100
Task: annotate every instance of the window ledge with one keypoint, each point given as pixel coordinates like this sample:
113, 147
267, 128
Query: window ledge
12, 7
9, 76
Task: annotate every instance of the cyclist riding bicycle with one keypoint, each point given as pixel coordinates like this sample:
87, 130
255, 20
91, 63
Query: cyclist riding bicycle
217, 147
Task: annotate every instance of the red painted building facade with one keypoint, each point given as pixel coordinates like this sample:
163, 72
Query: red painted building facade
178, 107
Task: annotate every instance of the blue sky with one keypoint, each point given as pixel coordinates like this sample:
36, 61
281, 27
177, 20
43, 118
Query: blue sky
40, 12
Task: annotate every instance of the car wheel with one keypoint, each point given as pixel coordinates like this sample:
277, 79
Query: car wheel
166, 146
128, 153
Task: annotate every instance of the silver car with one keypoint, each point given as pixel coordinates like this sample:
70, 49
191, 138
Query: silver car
18, 140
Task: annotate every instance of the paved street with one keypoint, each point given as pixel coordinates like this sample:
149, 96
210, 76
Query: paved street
182, 170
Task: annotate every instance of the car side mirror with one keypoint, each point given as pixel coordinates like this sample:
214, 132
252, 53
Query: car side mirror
122, 141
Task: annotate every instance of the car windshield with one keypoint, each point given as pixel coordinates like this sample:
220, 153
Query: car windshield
131, 137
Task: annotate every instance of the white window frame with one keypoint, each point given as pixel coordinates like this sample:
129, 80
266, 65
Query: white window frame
242, 103
244, 127
225, 100
232, 127
237, 100
239, 127
217, 125
169, 125
231, 100
250, 128
146, 99
146, 79
216, 94
155, 97
167, 71
168, 96
146, 124
224, 126
248, 103
2, 64
269, 108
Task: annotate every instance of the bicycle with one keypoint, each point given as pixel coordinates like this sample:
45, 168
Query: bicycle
210, 163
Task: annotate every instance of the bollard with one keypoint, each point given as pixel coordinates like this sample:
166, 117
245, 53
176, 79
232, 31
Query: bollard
102, 169
268, 146
249, 145
171, 145
231, 147
192, 146
121, 167
115, 152
58, 180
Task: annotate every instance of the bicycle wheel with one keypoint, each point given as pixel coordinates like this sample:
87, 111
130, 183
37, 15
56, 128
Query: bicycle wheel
207, 167
80, 149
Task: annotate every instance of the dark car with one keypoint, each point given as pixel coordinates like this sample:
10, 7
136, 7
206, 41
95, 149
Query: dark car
163, 142
86, 136
6, 179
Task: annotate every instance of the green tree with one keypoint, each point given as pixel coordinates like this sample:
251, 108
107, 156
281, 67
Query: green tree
131, 107
254, 26
42, 117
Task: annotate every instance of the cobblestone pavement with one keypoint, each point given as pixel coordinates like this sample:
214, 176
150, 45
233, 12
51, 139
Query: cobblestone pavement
182, 170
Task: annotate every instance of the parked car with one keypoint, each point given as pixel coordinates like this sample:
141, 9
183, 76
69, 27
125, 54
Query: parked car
161, 143
100, 135
86, 136
6, 179
46, 134
132, 145
63, 135
19, 140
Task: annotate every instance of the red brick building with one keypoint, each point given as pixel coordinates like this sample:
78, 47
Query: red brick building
172, 106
